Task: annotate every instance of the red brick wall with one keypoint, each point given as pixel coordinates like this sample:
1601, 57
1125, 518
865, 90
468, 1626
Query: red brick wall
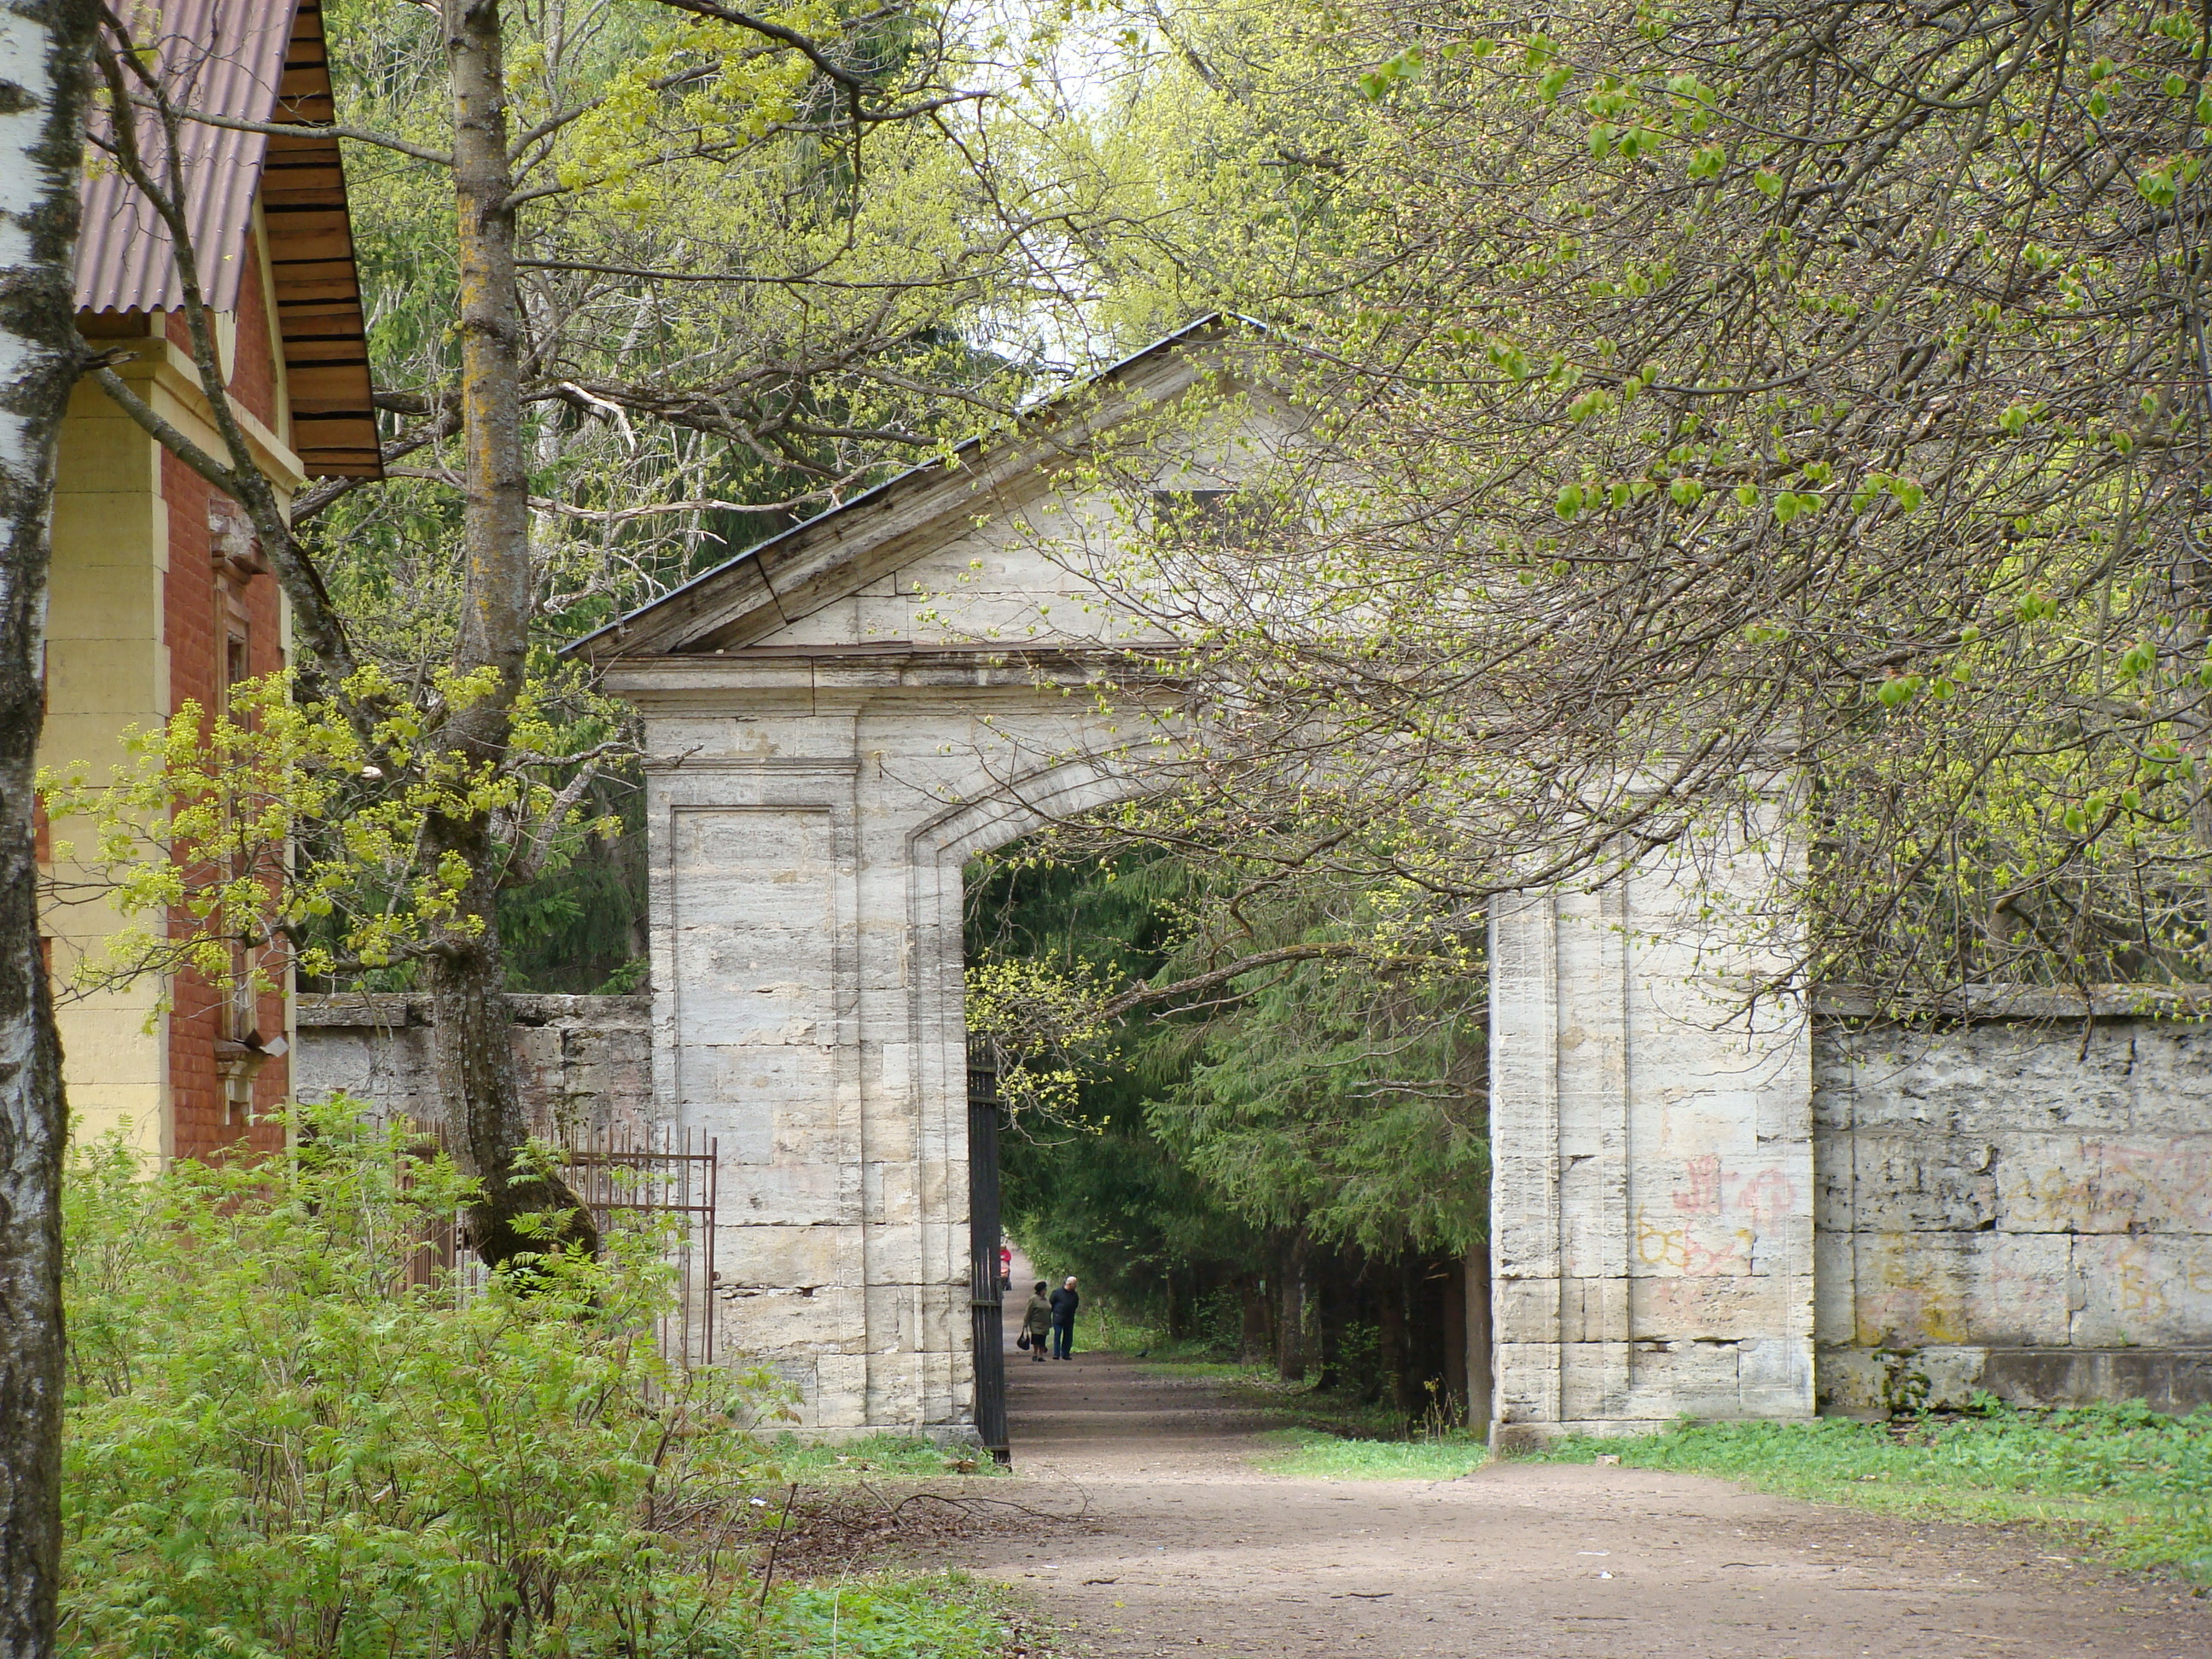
196, 626
253, 363
252, 358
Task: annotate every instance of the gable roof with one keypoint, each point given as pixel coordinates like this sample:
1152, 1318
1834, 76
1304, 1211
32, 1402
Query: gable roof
254, 60
841, 550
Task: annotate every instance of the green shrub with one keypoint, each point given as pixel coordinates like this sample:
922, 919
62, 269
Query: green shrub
281, 1443
880, 1619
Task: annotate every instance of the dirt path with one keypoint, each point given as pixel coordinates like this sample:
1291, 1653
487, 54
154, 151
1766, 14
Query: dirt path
1181, 1543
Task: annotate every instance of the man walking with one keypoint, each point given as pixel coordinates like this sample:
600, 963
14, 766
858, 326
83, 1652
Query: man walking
1065, 1301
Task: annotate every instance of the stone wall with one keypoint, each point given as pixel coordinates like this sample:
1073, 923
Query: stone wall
586, 1062
2002, 1206
2022, 1204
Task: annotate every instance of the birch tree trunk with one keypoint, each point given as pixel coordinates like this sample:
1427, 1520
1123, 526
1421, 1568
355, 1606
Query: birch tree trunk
476, 1072
43, 54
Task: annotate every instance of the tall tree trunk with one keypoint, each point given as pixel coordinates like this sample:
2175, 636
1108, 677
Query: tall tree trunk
476, 1067
1393, 1342
1252, 1309
1327, 1299
47, 43
1451, 1304
1290, 1307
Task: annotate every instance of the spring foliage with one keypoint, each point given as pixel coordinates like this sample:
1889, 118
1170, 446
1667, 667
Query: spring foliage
1701, 393
270, 823
287, 1436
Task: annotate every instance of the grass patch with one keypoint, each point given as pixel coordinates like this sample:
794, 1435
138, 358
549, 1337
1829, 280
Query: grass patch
2122, 1481
827, 1463
938, 1615
1316, 1456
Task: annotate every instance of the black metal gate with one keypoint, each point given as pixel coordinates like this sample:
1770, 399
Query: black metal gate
986, 1310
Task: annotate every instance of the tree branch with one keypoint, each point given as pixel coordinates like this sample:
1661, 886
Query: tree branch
304, 129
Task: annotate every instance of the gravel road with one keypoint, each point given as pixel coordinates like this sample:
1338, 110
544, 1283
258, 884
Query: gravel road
1156, 1534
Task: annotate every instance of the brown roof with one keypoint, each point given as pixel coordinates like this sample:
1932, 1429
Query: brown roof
255, 60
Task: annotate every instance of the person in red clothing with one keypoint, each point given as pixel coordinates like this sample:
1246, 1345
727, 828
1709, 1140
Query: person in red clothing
1005, 1267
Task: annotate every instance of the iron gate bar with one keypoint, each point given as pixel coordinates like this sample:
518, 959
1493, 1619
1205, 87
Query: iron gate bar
987, 1310
682, 1166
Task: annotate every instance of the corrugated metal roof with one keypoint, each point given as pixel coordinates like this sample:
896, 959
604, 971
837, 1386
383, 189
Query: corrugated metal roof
254, 60
223, 56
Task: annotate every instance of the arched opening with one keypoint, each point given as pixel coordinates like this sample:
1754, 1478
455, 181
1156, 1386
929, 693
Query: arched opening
1287, 1172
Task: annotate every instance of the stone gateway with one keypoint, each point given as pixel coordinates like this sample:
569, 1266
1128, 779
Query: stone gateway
837, 719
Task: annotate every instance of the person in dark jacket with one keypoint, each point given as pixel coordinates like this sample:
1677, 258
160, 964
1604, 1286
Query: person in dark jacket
1065, 1302
1036, 1323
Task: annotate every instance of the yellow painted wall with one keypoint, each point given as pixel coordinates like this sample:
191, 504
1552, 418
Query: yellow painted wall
106, 670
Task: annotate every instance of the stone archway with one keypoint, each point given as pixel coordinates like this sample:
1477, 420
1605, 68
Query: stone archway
838, 719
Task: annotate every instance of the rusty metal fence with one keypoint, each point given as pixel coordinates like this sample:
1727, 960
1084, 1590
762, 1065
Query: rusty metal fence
658, 1176
664, 1172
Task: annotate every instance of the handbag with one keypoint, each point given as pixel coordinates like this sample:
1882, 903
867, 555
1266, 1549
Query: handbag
1023, 1341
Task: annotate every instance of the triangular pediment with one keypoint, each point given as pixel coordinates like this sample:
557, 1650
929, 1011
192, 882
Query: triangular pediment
873, 571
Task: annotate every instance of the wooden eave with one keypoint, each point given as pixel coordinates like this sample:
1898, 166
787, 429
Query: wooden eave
312, 270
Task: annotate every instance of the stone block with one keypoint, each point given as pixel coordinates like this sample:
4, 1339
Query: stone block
1685, 1377
770, 1321
1921, 1290
2145, 1290
1594, 1310
1525, 1225
2175, 1379
1595, 1380
1852, 1381
1730, 1310
792, 1087
1526, 1387
1774, 1376
1527, 1309
751, 1256
1834, 1301
1910, 1181
1911, 1290
2173, 1080
774, 1194
2107, 1184
841, 1393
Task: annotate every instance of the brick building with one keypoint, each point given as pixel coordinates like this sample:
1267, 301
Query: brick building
160, 594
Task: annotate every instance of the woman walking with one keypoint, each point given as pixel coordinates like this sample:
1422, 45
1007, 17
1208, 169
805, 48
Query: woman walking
1037, 1324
